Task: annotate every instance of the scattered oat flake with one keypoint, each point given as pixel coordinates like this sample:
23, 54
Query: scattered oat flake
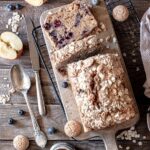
127, 148
120, 146
108, 38
114, 40
101, 40
124, 54
133, 141
144, 137
14, 22
134, 60
137, 69
140, 143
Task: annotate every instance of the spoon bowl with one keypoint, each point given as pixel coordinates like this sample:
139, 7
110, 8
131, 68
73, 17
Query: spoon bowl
20, 80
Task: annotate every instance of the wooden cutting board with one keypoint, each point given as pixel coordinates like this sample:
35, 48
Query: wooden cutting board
71, 110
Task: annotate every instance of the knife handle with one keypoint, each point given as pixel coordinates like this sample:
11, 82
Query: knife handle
40, 99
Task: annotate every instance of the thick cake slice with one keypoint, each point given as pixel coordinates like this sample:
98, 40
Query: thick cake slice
76, 50
100, 91
70, 23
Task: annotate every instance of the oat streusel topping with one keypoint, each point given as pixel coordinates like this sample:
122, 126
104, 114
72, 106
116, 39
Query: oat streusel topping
99, 88
76, 48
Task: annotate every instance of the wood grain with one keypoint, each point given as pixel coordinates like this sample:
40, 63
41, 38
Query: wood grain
18, 102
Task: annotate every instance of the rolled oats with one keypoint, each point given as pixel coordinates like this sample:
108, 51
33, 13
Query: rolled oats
81, 47
99, 88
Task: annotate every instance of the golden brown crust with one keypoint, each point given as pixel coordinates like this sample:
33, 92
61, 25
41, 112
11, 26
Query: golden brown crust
77, 48
100, 91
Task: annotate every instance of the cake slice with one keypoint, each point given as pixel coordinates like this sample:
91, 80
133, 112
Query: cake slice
76, 50
100, 91
70, 23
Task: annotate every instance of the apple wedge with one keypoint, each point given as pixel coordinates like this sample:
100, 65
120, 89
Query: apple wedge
11, 46
7, 52
36, 2
13, 40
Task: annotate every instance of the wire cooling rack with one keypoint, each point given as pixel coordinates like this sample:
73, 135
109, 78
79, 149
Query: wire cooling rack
127, 34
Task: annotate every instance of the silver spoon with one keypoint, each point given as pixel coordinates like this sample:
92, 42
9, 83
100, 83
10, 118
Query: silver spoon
21, 83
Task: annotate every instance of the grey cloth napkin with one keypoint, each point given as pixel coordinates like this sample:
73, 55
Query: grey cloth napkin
145, 48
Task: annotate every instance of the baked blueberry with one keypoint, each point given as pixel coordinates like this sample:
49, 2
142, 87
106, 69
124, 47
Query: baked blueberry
10, 7
57, 23
94, 2
47, 26
11, 121
77, 20
65, 84
21, 112
52, 130
18, 6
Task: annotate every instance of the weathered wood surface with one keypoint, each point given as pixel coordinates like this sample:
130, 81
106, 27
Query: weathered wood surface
24, 125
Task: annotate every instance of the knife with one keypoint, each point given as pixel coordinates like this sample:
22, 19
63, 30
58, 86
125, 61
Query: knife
148, 119
35, 65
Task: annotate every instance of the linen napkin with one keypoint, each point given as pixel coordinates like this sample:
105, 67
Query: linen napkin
145, 48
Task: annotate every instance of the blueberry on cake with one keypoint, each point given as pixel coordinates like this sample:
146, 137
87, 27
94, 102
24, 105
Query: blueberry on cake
100, 91
70, 23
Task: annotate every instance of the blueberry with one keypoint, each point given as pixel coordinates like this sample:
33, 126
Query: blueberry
21, 112
18, 6
47, 26
57, 23
70, 34
65, 84
94, 2
11, 121
52, 130
10, 7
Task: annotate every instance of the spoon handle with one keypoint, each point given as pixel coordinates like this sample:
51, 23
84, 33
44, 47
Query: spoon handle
34, 121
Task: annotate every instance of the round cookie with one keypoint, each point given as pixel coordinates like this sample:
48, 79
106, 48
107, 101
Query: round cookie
120, 13
20, 142
72, 128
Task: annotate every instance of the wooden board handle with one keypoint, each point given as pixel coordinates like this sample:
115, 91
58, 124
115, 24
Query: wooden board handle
110, 142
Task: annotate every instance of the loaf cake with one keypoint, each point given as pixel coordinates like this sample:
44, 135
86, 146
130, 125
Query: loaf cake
100, 91
77, 49
70, 23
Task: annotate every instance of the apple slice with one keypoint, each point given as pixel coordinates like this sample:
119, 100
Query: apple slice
36, 2
7, 52
12, 40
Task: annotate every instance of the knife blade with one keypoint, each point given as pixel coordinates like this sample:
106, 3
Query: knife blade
35, 65
33, 52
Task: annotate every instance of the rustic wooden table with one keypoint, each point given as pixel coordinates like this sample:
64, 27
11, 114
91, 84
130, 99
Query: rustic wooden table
55, 116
